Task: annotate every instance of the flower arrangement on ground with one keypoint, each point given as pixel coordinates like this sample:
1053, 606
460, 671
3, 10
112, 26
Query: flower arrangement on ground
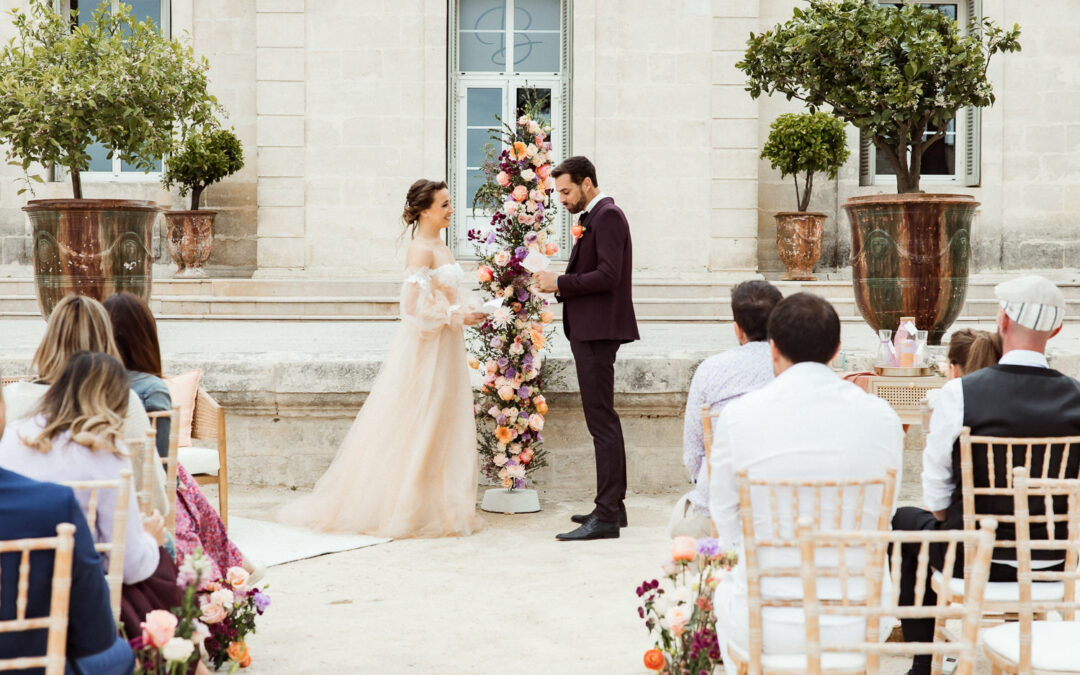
682, 616
509, 347
170, 640
229, 608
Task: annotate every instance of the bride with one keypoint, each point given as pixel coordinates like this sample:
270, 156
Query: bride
408, 466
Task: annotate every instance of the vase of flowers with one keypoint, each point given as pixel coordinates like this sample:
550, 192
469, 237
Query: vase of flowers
680, 612
170, 641
509, 347
229, 609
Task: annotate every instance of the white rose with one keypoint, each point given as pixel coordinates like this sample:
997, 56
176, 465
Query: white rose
677, 617
663, 604
682, 595
177, 649
224, 597
528, 174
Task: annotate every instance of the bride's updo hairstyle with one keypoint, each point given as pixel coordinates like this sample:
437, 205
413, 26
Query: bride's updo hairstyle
419, 198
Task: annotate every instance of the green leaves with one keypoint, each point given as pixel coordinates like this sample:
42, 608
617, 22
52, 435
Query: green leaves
111, 80
890, 72
206, 156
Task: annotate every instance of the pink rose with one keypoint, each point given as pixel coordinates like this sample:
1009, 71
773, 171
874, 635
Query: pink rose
512, 207
536, 422
502, 258
542, 172
506, 392
237, 577
526, 219
683, 548
483, 274
520, 193
538, 195
159, 627
213, 613
502, 179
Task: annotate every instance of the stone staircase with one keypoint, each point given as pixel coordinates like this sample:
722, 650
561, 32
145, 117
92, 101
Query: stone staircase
374, 300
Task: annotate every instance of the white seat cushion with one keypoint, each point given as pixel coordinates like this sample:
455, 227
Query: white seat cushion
199, 461
788, 662
1009, 591
1053, 644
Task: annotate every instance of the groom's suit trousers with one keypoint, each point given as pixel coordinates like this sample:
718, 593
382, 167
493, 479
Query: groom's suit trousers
595, 362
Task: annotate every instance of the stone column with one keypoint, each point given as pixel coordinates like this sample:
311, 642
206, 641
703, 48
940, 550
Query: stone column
280, 107
734, 142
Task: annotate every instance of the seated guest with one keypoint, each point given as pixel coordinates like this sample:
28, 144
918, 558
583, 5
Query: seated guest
74, 433
971, 350
719, 380
198, 525
1021, 396
80, 324
808, 424
29, 510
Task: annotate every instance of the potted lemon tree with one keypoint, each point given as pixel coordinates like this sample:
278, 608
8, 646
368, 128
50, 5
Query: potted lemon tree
64, 87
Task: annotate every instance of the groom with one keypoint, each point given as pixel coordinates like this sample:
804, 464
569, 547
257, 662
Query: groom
598, 317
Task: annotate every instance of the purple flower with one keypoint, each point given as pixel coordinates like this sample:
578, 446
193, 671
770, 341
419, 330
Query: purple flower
527, 360
521, 252
510, 372
523, 415
504, 362
523, 393
522, 295
497, 343
708, 546
529, 238
519, 483
262, 601
490, 238
501, 419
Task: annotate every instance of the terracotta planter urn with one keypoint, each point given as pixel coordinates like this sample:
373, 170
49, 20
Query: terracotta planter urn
909, 257
94, 247
191, 239
798, 241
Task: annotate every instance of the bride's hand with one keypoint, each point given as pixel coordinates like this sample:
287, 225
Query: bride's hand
474, 318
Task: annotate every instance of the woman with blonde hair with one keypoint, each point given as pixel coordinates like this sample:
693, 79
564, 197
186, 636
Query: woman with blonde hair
81, 324
75, 433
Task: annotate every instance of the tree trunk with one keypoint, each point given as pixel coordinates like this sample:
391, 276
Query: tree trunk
196, 193
76, 182
808, 186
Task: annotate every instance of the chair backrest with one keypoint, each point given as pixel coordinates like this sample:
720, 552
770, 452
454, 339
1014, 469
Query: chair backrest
115, 548
1042, 458
143, 456
1049, 492
787, 502
208, 420
707, 418
57, 621
879, 553
169, 462
12, 379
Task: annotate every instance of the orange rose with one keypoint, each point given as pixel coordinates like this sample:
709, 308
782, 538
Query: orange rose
473, 363
547, 317
504, 435
238, 651
541, 405
576, 231
654, 659
551, 248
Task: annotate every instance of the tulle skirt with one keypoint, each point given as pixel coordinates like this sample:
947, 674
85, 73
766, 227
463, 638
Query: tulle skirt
408, 466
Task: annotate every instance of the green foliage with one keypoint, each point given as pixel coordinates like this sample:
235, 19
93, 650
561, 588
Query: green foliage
802, 144
113, 80
893, 73
206, 156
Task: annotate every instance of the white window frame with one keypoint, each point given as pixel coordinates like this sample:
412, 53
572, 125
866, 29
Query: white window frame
509, 81
116, 175
968, 126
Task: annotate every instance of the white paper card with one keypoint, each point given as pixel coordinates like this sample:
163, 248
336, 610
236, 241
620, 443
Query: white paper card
535, 262
910, 328
493, 303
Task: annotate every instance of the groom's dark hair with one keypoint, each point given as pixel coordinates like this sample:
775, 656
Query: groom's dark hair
805, 327
751, 304
578, 168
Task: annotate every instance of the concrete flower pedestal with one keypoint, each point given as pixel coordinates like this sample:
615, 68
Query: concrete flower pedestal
502, 500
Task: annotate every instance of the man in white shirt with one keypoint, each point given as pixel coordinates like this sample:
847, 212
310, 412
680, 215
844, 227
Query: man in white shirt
808, 423
1020, 397
719, 380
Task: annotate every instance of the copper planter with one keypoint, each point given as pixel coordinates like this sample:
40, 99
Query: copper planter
798, 241
94, 247
909, 257
191, 239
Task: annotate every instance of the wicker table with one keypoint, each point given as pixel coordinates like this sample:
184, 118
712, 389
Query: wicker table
904, 394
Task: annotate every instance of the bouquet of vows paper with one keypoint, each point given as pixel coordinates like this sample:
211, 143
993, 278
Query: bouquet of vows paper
536, 262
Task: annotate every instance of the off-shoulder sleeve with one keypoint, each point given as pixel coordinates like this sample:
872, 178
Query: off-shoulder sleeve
426, 305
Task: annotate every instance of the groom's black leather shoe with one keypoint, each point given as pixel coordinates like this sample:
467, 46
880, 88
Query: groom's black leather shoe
593, 528
582, 517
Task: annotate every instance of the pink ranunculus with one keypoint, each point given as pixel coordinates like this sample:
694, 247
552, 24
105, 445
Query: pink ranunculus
542, 172
551, 248
494, 412
213, 613
538, 195
526, 219
237, 577
483, 274
502, 179
499, 459
501, 258
676, 619
520, 193
683, 548
511, 207
536, 422
159, 627
539, 138
506, 392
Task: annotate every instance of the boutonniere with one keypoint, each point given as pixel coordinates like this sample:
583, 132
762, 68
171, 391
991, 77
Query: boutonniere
578, 231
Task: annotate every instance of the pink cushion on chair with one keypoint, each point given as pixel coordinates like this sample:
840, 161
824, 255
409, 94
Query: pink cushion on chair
184, 389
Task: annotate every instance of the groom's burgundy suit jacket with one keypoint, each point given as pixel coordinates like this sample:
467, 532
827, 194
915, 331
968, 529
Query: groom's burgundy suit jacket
596, 288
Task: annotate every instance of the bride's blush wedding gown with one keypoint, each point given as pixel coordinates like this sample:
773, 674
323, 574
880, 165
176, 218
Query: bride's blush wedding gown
408, 466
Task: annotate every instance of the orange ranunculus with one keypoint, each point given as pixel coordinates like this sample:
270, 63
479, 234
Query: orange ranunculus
551, 248
519, 150
237, 651
546, 316
541, 405
246, 662
504, 435
576, 231
516, 307
654, 659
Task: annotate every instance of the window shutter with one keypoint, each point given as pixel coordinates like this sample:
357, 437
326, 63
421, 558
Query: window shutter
972, 119
866, 159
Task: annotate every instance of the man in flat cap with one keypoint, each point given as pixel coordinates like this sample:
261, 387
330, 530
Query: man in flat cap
1020, 397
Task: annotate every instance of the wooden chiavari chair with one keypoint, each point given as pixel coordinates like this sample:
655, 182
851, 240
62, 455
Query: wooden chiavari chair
1032, 645
169, 462
113, 549
863, 594
56, 623
787, 501
707, 417
12, 379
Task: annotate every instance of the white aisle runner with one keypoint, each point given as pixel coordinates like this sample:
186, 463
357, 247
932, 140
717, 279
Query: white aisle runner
275, 544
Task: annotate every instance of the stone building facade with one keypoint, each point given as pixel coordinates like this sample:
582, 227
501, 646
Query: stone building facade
341, 104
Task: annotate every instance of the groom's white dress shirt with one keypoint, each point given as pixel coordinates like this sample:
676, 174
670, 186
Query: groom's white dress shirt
810, 424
